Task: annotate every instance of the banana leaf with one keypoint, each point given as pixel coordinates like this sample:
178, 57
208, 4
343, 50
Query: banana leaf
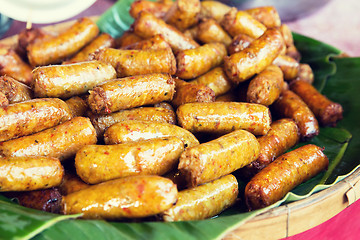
335, 77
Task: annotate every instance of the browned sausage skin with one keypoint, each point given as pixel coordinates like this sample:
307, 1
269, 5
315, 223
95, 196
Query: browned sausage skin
224, 117
211, 160
62, 141
209, 31
71, 183
327, 112
239, 43
158, 9
14, 90
126, 39
213, 9
267, 15
56, 49
77, 106
203, 201
130, 197
65, 81
147, 25
290, 105
29, 173
255, 58
288, 65
283, 135
155, 42
281, 176
183, 14
131, 92
24, 118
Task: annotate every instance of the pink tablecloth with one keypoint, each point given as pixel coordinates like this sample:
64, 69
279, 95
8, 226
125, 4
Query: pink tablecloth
338, 24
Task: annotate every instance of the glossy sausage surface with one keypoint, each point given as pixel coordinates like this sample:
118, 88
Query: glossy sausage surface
14, 90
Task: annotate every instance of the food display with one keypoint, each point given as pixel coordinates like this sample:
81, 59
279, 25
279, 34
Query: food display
111, 119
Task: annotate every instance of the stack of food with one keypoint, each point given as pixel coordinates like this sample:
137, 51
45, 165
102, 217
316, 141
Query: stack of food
158, 122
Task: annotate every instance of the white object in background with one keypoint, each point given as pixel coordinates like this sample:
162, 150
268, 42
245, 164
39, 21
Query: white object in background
43, 11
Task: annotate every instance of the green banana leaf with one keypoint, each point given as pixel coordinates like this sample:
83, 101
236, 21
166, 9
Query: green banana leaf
335, 77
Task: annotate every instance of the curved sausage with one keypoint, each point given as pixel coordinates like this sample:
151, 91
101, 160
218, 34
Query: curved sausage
24, 118
130, 197
211, 160
69, 80
130, 92
282, 175
209, 31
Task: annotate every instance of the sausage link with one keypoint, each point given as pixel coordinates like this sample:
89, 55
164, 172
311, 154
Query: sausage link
192, 63
281, 176
215, 79
29, 173
99, 163
211, 160
62, 141
186, 92
14, 90
224, 117
213, 9
183, 14
326, 111
48, 200
77, 106
71, 183
12, 65
203, 201
155, 42
156, 114
69, 80
255, 58
305, 73
288, 65
24, 118
126, 39
104, 40
290, 105
67, 43
158, 9
131, 92
130, 197
147, 25
265, 87
239, 43
138, 62
237, 21
267, 15
283, 135
132, 130
210, 31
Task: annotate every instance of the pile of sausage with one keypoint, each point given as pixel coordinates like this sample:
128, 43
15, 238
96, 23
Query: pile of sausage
156, 122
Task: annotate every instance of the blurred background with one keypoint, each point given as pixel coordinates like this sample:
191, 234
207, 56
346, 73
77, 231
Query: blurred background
336, 22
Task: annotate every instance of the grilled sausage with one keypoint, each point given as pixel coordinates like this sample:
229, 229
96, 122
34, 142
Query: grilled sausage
131, 92
305, 73
62, 141
265, 87
283, 135
138, 62
326, 111
192, 63
155, 42
147, 25
158, 9
282, 175
12, 65
267, 15
239, 43
71, 183
132, 130
126, 39
213, 9
69, 80
237, 21
67, 43
29, 173
104, 40
288, 65
183, 14
47, 200
215, 79
131, 197
255, 58
156, 114
14, 90
186, 92
77, 106
210, 31
211, 160
203, 201
24, 118
99, 163
290, 105
224, 117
